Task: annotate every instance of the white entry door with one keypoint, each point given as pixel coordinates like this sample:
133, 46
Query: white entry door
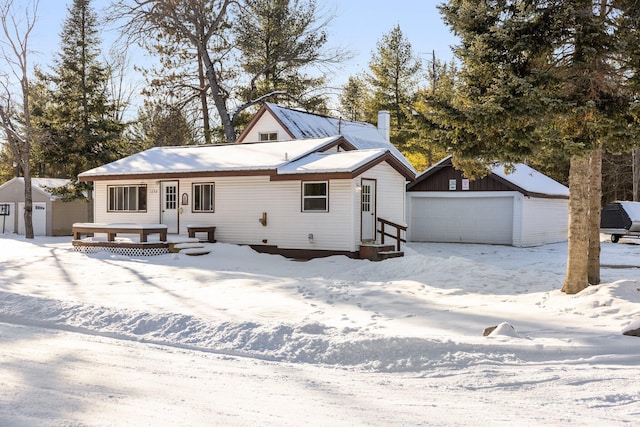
368, 210
38, 218
169, 205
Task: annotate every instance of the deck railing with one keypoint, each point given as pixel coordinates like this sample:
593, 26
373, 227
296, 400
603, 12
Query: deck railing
398, 232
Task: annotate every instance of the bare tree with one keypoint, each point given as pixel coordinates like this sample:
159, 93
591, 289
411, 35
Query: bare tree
15, 117
201, 24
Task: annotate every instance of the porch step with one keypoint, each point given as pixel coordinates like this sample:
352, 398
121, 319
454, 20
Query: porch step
390, 254
379, 252
195, 251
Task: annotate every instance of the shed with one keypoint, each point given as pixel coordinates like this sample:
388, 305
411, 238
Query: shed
51, 215
521, 208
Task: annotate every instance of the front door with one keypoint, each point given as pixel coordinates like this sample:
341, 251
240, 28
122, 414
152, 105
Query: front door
368, 210
169, 205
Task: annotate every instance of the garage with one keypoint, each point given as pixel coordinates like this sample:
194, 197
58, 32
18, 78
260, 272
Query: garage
519, 208
464, 220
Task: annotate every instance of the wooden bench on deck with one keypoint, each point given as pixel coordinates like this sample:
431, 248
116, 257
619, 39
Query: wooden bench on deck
193, 229
111, 230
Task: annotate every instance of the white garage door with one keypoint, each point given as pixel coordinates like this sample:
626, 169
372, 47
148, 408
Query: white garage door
38, 217
464, 220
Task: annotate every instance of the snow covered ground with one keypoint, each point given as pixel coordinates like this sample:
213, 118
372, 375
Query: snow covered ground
239, 338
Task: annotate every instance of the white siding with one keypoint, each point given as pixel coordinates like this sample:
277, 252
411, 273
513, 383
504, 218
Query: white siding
266, 123
544, 221
151, 216
240, 202
390, 198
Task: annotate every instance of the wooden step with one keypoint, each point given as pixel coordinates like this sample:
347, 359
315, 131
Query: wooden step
195, 251
378, 252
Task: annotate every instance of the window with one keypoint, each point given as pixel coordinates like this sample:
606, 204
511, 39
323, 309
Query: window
268, 136
315, 197
129, 198
203, 200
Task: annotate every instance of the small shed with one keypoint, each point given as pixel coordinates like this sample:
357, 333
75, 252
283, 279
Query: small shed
521, 208
51, 215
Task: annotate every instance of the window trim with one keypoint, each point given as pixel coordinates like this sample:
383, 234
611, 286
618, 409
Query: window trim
193, 197
137, 198
305, 197
268, 136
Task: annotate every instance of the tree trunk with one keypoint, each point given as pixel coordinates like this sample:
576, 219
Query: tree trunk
203, 100
578, 245
28, 201
595, 207
218, 98
636, 174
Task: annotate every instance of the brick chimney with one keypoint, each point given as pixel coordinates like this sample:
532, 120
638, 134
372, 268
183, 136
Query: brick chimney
384, 124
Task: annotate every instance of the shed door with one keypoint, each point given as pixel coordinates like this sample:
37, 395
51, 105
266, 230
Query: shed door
38, 218
169, 208
368, 210
465, 220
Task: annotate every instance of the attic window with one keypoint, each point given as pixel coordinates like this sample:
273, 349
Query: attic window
268, 136
315, 196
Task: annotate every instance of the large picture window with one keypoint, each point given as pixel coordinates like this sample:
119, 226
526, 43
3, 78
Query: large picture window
315, 196
127, 198
203, 197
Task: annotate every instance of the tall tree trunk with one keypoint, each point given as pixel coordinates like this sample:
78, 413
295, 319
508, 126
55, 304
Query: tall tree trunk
203, 100
578, 246
595, 207
636, 174
28, 202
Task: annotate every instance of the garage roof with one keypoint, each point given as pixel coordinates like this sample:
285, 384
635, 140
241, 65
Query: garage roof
522, 178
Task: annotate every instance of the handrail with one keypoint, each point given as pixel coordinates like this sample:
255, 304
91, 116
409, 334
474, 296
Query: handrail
399, 228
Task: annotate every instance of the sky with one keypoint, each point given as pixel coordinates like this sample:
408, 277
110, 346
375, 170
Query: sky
357, 26
238, 338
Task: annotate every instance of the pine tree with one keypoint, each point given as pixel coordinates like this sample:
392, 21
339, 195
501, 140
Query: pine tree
353, 99
277, 41
394, 79
75, 111
547, 76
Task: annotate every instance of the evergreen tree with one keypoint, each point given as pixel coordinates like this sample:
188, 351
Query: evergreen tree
163, 125
553, 77
353, 99
394, 79
277, 41
75, 111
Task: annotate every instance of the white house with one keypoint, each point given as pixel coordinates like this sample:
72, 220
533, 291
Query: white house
305, 198
521, 208
51, 215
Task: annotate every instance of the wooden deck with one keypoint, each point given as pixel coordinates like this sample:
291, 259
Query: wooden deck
112, 230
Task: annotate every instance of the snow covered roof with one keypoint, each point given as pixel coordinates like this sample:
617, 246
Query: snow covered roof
210, 158
39, 184
531, 180
303, 125
282, 158
344, 161
522, 177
